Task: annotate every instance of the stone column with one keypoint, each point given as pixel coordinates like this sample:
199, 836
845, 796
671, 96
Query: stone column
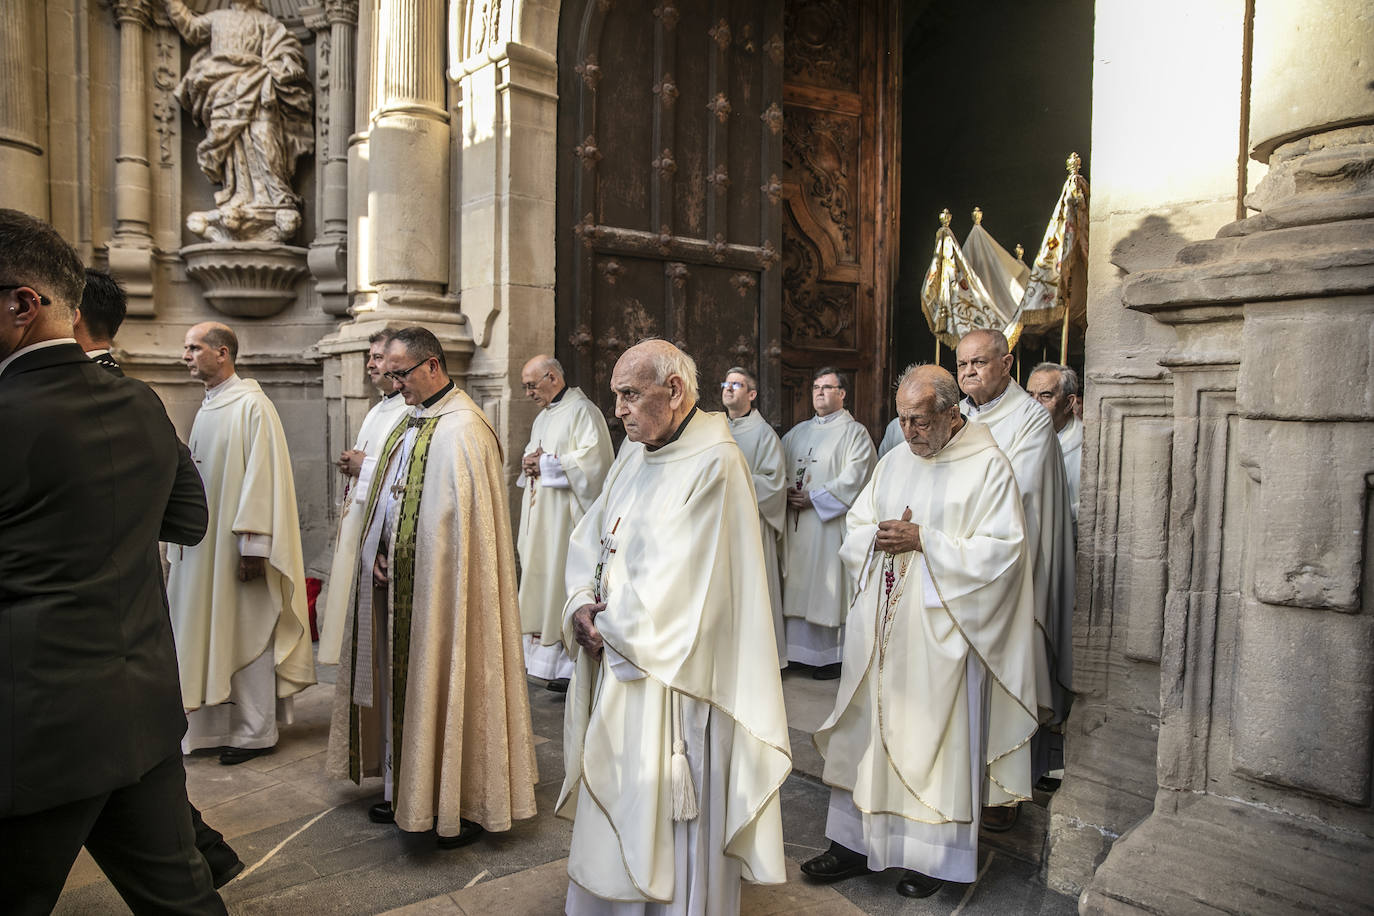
336, 22
131, 249
1267, 694
23, 166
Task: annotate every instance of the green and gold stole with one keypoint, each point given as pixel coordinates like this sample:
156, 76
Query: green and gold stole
402, 574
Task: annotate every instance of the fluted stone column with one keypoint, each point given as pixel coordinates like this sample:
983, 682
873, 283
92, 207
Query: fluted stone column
328, 257
1266, 749
131, 249
23, 167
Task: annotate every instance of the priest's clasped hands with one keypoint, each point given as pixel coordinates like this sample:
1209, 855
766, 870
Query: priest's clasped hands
530, 463
588, 637
898, 535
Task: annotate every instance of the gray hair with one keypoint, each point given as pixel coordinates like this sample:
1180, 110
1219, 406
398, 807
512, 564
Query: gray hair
936, 378
553, 365
673, 361
1068, 379
749, 376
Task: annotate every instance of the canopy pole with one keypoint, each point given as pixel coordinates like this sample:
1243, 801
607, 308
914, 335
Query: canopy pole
1064, 339
937, 349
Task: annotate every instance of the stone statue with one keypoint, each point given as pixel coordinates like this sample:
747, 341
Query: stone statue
248, 88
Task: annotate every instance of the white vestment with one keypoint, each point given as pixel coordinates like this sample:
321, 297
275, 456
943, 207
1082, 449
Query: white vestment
937, 696
830, 457
1025, 434
343, 572
224, 626
763, 450
673, 548
577, 453
1071, 444
892, 437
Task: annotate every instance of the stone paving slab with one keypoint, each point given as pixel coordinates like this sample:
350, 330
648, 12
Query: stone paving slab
311, 849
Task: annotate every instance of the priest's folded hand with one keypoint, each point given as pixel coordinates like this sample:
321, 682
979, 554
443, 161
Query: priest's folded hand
379, 569
588, 637
351, 461
898, 535
251, 568
530, 463
799, 499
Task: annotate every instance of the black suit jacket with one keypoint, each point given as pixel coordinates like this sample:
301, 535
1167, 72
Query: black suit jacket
90, 481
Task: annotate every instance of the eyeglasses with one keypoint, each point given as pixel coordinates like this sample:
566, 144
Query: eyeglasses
816, 388
400, 374
530, 386
732, 386
42, 299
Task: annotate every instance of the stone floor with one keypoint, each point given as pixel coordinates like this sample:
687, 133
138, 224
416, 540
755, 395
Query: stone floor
310, 848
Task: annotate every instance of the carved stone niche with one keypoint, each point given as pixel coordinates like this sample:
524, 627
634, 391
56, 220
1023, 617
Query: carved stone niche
246, 279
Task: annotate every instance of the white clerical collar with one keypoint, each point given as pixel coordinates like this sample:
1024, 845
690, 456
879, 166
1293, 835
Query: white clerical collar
94, 353
974, 408
829, 418
55, 342
222, 387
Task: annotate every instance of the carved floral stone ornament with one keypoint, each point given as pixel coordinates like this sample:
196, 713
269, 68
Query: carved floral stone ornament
247, 87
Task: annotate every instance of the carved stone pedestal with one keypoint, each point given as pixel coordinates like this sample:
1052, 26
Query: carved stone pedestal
246, 279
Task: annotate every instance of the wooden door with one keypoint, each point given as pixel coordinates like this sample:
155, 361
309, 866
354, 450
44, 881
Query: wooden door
670, 196
839, 185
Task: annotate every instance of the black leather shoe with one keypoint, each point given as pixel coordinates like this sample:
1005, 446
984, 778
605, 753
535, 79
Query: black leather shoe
468, 832
381, 813
826, 672
232, 756
915, 884
224, 876
836, 864
558, 685
1000, 819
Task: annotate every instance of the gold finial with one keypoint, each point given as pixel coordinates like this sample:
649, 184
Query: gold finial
1073, 163
945, 217
1019, 251
977, 216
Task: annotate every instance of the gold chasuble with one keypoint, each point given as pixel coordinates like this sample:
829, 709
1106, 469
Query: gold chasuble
673, 547
444, 634
222, 624
898, 738
573, 430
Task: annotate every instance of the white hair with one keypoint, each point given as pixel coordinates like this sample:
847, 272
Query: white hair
673, 361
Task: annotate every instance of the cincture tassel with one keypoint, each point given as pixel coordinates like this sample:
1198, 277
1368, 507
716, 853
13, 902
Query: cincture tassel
684, 792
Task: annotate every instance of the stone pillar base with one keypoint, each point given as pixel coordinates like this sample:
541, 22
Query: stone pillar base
1201, 853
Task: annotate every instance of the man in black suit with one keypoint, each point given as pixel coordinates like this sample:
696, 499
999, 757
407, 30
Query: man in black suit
90, 705
102, 310
103, 307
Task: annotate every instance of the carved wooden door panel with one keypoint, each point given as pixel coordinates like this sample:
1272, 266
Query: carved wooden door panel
669, 197
839, 216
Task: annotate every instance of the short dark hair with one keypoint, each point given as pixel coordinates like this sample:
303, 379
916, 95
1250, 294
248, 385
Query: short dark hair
420, 343
219, 336
103, 305
33, 254
831, 370
384, 335
740, 370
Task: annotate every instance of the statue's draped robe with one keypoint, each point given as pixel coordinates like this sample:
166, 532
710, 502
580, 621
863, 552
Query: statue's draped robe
247, 86
830, 457
937, 701
241, 645
343, 571
432, 685
1025, 433
892, 437
763, 451
1071, 445
673, 546
577, 453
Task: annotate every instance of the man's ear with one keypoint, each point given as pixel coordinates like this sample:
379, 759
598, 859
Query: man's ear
677, 390
753, 393
76, 318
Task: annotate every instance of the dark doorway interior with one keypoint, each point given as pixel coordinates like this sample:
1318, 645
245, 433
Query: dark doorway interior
995, 95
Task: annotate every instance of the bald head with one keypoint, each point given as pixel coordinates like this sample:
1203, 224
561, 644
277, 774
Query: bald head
542, 379
928, 409
655, 388
209, 352
984, 364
